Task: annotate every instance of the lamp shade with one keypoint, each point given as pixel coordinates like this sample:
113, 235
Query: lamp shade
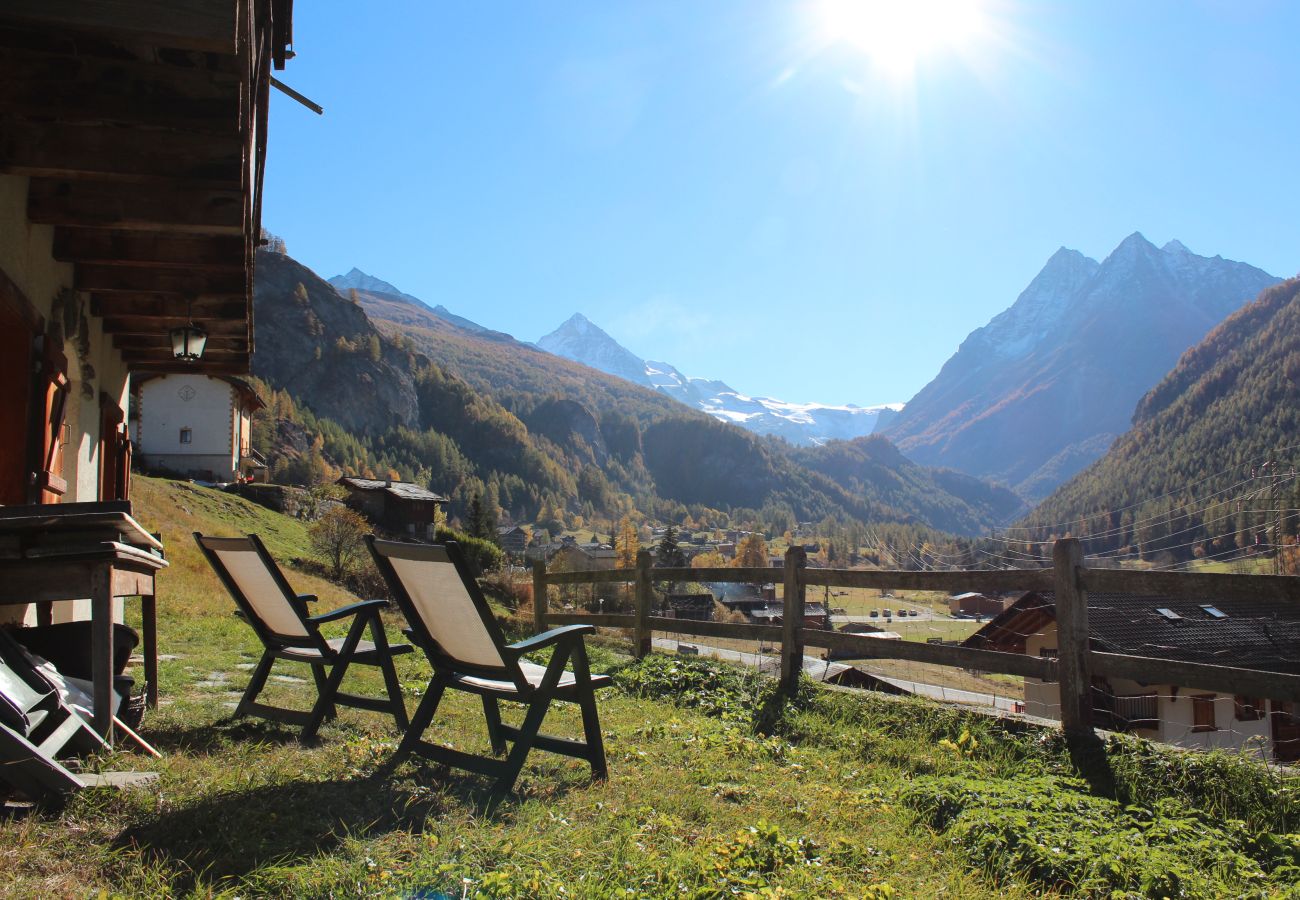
188, 342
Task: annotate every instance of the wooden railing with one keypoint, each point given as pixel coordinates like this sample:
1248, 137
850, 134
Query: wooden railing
1069, 579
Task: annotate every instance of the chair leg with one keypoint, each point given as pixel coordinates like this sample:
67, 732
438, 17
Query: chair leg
325, 702
255, 684
591, 729
424, 714
492, 712
590, 718
514, 763
322, 682
390, 672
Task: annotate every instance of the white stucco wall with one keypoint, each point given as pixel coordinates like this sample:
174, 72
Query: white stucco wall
206, 406
26, 257
1173, 705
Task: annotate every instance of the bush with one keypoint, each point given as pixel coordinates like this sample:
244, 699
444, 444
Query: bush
1050, 830
481, 555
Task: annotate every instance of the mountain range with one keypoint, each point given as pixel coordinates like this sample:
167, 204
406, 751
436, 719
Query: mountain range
802, 424
1044, 388
377, 382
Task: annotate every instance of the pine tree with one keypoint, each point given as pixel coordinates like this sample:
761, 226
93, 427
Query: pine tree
626, 544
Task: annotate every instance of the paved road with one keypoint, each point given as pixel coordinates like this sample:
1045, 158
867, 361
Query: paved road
818, 670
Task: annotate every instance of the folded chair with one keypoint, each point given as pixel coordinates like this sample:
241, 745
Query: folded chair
452, 623
279, 616
36, 728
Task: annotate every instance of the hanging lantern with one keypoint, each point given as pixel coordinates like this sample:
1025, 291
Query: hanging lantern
189, 340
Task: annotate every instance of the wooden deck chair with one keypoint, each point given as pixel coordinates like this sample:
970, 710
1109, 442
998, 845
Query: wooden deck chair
452, 623
36, 728
279, 616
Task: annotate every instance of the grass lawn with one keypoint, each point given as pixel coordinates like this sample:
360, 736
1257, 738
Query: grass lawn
715, 789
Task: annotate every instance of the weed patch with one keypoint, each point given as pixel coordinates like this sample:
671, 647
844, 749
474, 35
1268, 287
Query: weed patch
1050, 830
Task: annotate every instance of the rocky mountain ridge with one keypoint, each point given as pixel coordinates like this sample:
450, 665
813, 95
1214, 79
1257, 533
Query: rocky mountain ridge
1044, 388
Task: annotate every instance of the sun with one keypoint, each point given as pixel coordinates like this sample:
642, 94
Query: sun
897, 35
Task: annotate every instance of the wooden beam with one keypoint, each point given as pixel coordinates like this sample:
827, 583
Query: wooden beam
1282, 589
118, 152
149, 248
79, 89
207, 367
233, 307
1198, 676
983, 581
208, 25
135, 357
860, 646
134, 279
144, 325
162, 342
191, 209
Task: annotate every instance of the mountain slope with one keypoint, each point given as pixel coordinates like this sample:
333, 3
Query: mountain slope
803, 424
1039, 392
1231, 404
659, 451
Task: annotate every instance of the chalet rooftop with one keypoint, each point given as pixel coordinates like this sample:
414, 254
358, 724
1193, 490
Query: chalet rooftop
403, 490
1244, 633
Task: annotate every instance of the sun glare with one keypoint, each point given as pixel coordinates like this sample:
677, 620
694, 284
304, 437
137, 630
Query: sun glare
897, 34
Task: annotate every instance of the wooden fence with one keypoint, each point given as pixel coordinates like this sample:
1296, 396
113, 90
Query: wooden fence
1069, 579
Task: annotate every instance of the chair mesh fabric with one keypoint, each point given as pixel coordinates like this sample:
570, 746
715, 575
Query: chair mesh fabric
259, 587
447, 610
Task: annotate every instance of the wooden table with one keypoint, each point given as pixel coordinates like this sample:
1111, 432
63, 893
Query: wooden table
56, 558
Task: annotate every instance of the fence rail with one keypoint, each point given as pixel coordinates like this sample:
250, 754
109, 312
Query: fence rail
1068, 579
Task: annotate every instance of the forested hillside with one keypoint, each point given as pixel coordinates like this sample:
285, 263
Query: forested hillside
542, 439
1208, 469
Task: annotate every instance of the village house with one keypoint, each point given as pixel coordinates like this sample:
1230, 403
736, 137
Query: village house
694, 607
1246, 634
396, 507
513, 539
197, 425
975, 605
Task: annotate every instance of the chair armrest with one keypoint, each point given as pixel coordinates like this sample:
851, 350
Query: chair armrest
350, 610
308, 598
547, 638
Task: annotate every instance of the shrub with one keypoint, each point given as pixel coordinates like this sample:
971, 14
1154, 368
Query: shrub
481, 555
1050, 830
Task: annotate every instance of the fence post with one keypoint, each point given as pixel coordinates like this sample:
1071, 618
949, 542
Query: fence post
1073, 670
539, 595
792, 621
641, 633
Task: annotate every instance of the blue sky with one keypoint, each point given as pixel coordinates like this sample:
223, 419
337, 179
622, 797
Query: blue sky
745, 191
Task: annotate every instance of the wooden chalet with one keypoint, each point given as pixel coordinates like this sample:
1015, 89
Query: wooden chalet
395, 507
133, 139
1227, 632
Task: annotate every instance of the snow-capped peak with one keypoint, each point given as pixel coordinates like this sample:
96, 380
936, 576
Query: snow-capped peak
583, 341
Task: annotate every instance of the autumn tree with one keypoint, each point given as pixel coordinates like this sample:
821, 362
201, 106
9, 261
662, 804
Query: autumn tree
751, 552
626, 544
338, 538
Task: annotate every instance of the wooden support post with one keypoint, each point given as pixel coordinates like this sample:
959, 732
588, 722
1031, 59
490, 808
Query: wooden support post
539, 596
792, 621
642, 634
1072, 640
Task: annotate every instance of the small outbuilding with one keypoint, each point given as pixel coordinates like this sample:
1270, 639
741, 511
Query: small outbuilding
396, 507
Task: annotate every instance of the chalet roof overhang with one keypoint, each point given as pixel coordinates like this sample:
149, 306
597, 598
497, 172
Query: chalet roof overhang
141, 125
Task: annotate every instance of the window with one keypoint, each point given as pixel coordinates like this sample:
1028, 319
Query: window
1248, 709
1213, 611
1203, 712
1169, 614
1139, 711
187, 435
1047, 652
